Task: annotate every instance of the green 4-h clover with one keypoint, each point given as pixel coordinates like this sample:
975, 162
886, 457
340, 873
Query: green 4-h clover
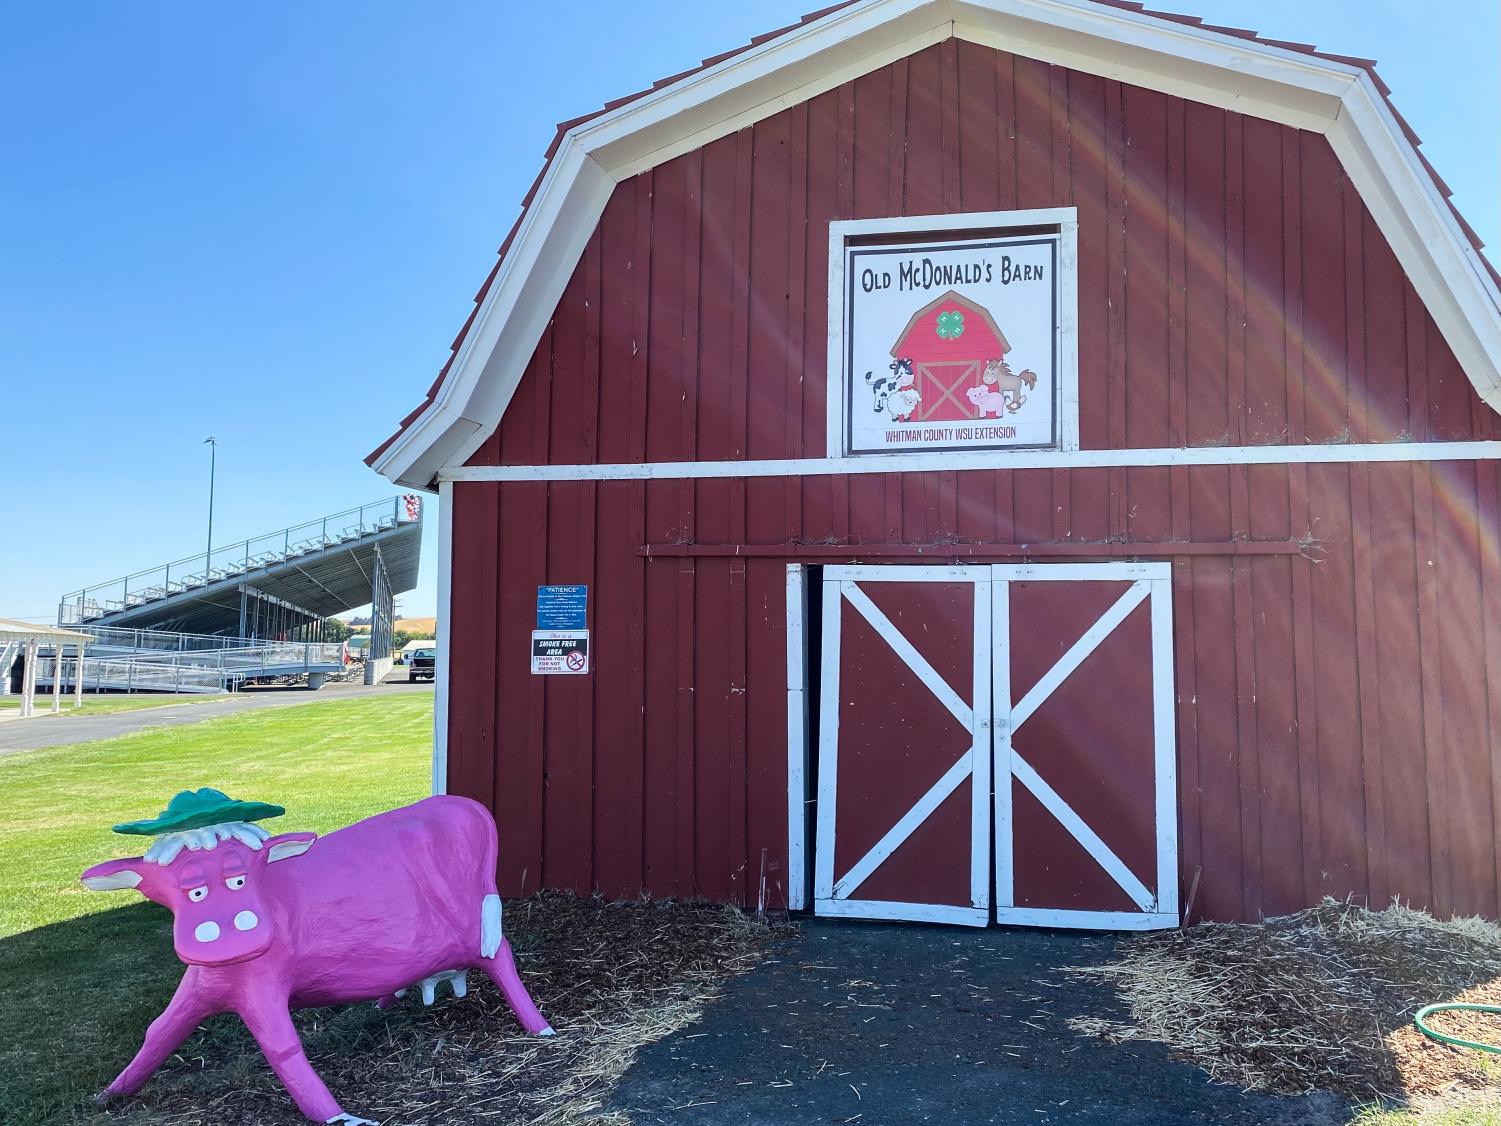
950, 325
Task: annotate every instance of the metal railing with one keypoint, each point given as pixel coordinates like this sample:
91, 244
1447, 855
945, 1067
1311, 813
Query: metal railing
234, 560
133, 676
256, 659
123, 637
202, 670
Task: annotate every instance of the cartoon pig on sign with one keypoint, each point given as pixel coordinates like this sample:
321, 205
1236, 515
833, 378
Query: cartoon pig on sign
267, 924
986, 401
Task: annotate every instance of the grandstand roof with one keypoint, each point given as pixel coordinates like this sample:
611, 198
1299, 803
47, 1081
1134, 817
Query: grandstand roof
319, 568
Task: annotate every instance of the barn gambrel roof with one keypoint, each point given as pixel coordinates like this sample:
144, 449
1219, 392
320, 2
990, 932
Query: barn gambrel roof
1292, 84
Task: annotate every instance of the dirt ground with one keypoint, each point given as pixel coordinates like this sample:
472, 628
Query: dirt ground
1318, 1000
609, 977
697, 1015
881, 1024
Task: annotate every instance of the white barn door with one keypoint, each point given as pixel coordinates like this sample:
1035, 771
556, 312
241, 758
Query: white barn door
1023, 712
904, 754
1086, 791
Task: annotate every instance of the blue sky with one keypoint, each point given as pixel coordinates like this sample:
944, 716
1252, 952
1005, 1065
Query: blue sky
265, 222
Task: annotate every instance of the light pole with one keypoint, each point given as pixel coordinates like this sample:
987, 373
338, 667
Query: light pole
213, 456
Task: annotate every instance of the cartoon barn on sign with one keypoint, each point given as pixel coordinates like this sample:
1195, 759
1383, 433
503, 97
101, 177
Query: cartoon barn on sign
1175, 588
957, 355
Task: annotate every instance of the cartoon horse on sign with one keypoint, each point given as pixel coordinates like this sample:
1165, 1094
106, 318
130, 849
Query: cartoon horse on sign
998, 374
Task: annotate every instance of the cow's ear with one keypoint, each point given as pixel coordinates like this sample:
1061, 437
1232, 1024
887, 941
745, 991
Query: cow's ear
288, 845
114, 875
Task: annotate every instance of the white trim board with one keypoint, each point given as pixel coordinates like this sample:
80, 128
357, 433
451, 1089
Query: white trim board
1334, 454
798, 730
1087, 920
876, 909
445, 632
1251, 77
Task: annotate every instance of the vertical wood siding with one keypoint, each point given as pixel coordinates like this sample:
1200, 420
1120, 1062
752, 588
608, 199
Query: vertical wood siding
1339, 714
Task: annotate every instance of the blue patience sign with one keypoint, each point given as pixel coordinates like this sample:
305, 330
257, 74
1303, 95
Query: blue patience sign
562, 607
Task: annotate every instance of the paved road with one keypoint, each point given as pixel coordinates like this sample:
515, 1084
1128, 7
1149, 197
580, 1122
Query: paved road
894, 1025
47, 731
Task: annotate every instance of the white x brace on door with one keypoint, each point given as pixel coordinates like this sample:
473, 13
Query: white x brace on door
1056, 680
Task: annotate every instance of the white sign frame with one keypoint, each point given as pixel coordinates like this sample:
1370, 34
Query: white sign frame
1062, 222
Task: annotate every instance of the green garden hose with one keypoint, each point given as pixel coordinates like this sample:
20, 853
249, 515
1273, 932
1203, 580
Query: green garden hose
1455, 1040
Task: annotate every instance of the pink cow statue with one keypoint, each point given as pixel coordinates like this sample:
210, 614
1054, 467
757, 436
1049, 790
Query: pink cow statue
267, 924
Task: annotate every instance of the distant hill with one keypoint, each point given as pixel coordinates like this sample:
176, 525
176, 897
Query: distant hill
403, 625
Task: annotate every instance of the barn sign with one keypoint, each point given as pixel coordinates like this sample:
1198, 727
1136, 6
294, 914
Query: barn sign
951, 340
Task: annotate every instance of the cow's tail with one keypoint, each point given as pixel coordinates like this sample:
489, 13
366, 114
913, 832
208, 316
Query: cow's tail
489, 926
489, 912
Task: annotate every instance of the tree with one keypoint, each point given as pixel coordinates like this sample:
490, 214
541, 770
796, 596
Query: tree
335, 629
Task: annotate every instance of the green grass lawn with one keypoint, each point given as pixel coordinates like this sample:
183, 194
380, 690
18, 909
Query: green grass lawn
102, 705
1459, 1109
85, 972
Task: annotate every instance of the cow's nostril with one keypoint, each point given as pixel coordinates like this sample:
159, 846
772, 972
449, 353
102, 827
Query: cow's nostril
206, 932
246, 921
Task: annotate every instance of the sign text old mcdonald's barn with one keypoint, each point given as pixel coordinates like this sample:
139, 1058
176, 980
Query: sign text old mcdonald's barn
1003, 491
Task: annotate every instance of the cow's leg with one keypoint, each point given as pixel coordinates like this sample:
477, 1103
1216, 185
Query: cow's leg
185, 1012
501, 969
271, 1025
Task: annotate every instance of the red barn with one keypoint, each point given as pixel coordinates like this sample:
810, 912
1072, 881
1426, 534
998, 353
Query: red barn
1217, 607
949, 341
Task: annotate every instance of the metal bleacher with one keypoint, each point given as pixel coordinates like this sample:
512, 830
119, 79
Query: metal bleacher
137, 660
251, 610
317, 568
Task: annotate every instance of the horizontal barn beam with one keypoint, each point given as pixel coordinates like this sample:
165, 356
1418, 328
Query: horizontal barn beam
1112, 549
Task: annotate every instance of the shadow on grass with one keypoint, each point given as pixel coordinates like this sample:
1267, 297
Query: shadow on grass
78, 996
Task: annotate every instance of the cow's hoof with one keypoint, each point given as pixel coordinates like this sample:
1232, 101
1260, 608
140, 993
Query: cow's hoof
548, 1031
351, 1120
104, 1097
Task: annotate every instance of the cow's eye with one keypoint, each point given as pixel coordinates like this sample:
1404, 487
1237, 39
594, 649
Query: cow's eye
197, 895
235, 883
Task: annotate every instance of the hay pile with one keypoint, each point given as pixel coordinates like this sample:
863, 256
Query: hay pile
610, 977
1319, 1000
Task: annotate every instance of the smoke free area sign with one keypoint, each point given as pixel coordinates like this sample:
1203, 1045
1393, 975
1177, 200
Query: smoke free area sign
560, 652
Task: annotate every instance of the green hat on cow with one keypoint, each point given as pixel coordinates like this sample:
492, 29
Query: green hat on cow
193, 809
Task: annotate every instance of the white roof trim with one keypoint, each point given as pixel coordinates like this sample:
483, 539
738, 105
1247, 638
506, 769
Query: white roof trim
1258, 79
12, 631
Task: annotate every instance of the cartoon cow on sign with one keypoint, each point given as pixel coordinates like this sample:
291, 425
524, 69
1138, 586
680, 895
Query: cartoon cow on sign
894, 393
267, 924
